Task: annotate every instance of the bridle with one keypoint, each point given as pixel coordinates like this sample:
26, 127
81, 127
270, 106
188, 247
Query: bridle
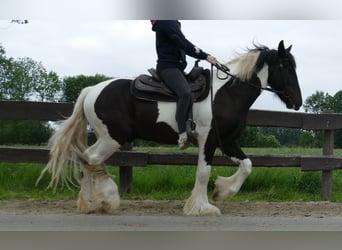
223, 68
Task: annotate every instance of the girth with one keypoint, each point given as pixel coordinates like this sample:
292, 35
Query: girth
151, 88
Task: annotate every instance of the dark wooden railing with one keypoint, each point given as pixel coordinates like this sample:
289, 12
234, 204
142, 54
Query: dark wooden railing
326, 163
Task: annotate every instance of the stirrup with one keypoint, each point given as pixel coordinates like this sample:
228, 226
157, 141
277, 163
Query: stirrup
191, 132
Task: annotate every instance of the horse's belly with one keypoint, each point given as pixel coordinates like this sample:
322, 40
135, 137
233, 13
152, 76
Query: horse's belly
201, 114
167, 114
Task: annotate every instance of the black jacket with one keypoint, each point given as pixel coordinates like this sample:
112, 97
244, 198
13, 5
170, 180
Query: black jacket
172, 46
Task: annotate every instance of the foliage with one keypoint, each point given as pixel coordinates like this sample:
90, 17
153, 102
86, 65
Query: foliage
295, 137
286, 137
5, 65
21, 80
254, 137
25, 79
73, 85
320, 102
24, 132
337, 102
310, 139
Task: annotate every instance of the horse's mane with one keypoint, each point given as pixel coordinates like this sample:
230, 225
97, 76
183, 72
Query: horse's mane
249, 62
254, 59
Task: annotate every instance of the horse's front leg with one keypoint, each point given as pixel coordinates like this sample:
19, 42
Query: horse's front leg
229, 186
198, 203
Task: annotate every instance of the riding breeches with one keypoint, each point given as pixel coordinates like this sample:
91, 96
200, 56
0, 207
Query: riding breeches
175, 80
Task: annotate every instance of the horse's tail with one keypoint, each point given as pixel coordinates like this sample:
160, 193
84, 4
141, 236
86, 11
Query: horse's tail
67, 146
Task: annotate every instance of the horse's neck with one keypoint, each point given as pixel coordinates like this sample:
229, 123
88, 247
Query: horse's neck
243, 94
240, 93
244, 90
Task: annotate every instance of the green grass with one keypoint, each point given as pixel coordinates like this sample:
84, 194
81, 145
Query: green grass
275, 151
17, 181
264, 184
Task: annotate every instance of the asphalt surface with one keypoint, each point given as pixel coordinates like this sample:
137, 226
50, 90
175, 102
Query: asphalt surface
164, 223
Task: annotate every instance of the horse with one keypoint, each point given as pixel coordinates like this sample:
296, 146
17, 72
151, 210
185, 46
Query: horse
118, 117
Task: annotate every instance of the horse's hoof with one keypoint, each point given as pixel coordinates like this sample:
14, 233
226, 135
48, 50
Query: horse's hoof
107, 208
84, 206
200, 209
216, 196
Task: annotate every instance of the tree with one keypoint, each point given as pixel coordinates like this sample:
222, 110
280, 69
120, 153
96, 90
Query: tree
337, 107
285, 136
5, 66
254, 137
73, 85
310, 139
20, 80
25, 79
24, 132
319, 102
337, 102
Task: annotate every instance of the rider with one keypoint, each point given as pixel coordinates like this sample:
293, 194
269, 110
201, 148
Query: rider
172, 47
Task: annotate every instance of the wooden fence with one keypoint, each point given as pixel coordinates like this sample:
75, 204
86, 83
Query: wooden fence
326, 163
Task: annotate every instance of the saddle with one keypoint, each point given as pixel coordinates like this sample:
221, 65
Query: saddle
151, 87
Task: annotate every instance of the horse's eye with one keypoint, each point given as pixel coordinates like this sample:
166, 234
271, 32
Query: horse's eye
281, 65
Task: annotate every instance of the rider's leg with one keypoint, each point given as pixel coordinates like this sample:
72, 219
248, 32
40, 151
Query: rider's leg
174, 78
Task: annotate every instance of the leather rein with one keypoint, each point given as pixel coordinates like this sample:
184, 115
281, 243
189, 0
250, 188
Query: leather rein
223, 68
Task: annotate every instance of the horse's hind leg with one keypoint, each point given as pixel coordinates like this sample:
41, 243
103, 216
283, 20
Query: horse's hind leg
85, 197
99, 193
106, 197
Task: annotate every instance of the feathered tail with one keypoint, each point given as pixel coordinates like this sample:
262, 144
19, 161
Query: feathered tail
67, 146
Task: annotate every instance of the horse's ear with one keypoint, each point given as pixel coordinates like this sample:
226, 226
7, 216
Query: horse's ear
281, 49
289, 48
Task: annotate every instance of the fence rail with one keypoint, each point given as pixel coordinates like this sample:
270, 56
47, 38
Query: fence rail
141, 159
10, 110
44, 111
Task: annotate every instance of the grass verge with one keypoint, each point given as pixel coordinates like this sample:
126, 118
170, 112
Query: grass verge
17, 181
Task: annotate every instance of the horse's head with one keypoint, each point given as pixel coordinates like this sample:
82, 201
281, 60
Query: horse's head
282, 76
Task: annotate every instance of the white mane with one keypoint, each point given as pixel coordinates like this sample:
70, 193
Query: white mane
243, 66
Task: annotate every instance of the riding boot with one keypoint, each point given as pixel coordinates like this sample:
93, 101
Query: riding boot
191, 132
191, 128
183, 141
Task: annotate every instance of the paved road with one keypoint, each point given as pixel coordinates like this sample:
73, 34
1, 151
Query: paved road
164, 223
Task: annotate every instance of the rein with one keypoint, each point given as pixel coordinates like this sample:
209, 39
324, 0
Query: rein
217, 134
225, 69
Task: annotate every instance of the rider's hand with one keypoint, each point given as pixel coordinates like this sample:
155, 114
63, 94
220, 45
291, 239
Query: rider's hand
212, 59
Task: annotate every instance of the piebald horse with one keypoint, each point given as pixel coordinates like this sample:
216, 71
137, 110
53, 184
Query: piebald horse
118, 117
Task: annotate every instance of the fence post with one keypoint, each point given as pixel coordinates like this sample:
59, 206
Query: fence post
125, 173
328, 149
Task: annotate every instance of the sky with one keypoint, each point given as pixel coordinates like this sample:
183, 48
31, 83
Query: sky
121, 48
